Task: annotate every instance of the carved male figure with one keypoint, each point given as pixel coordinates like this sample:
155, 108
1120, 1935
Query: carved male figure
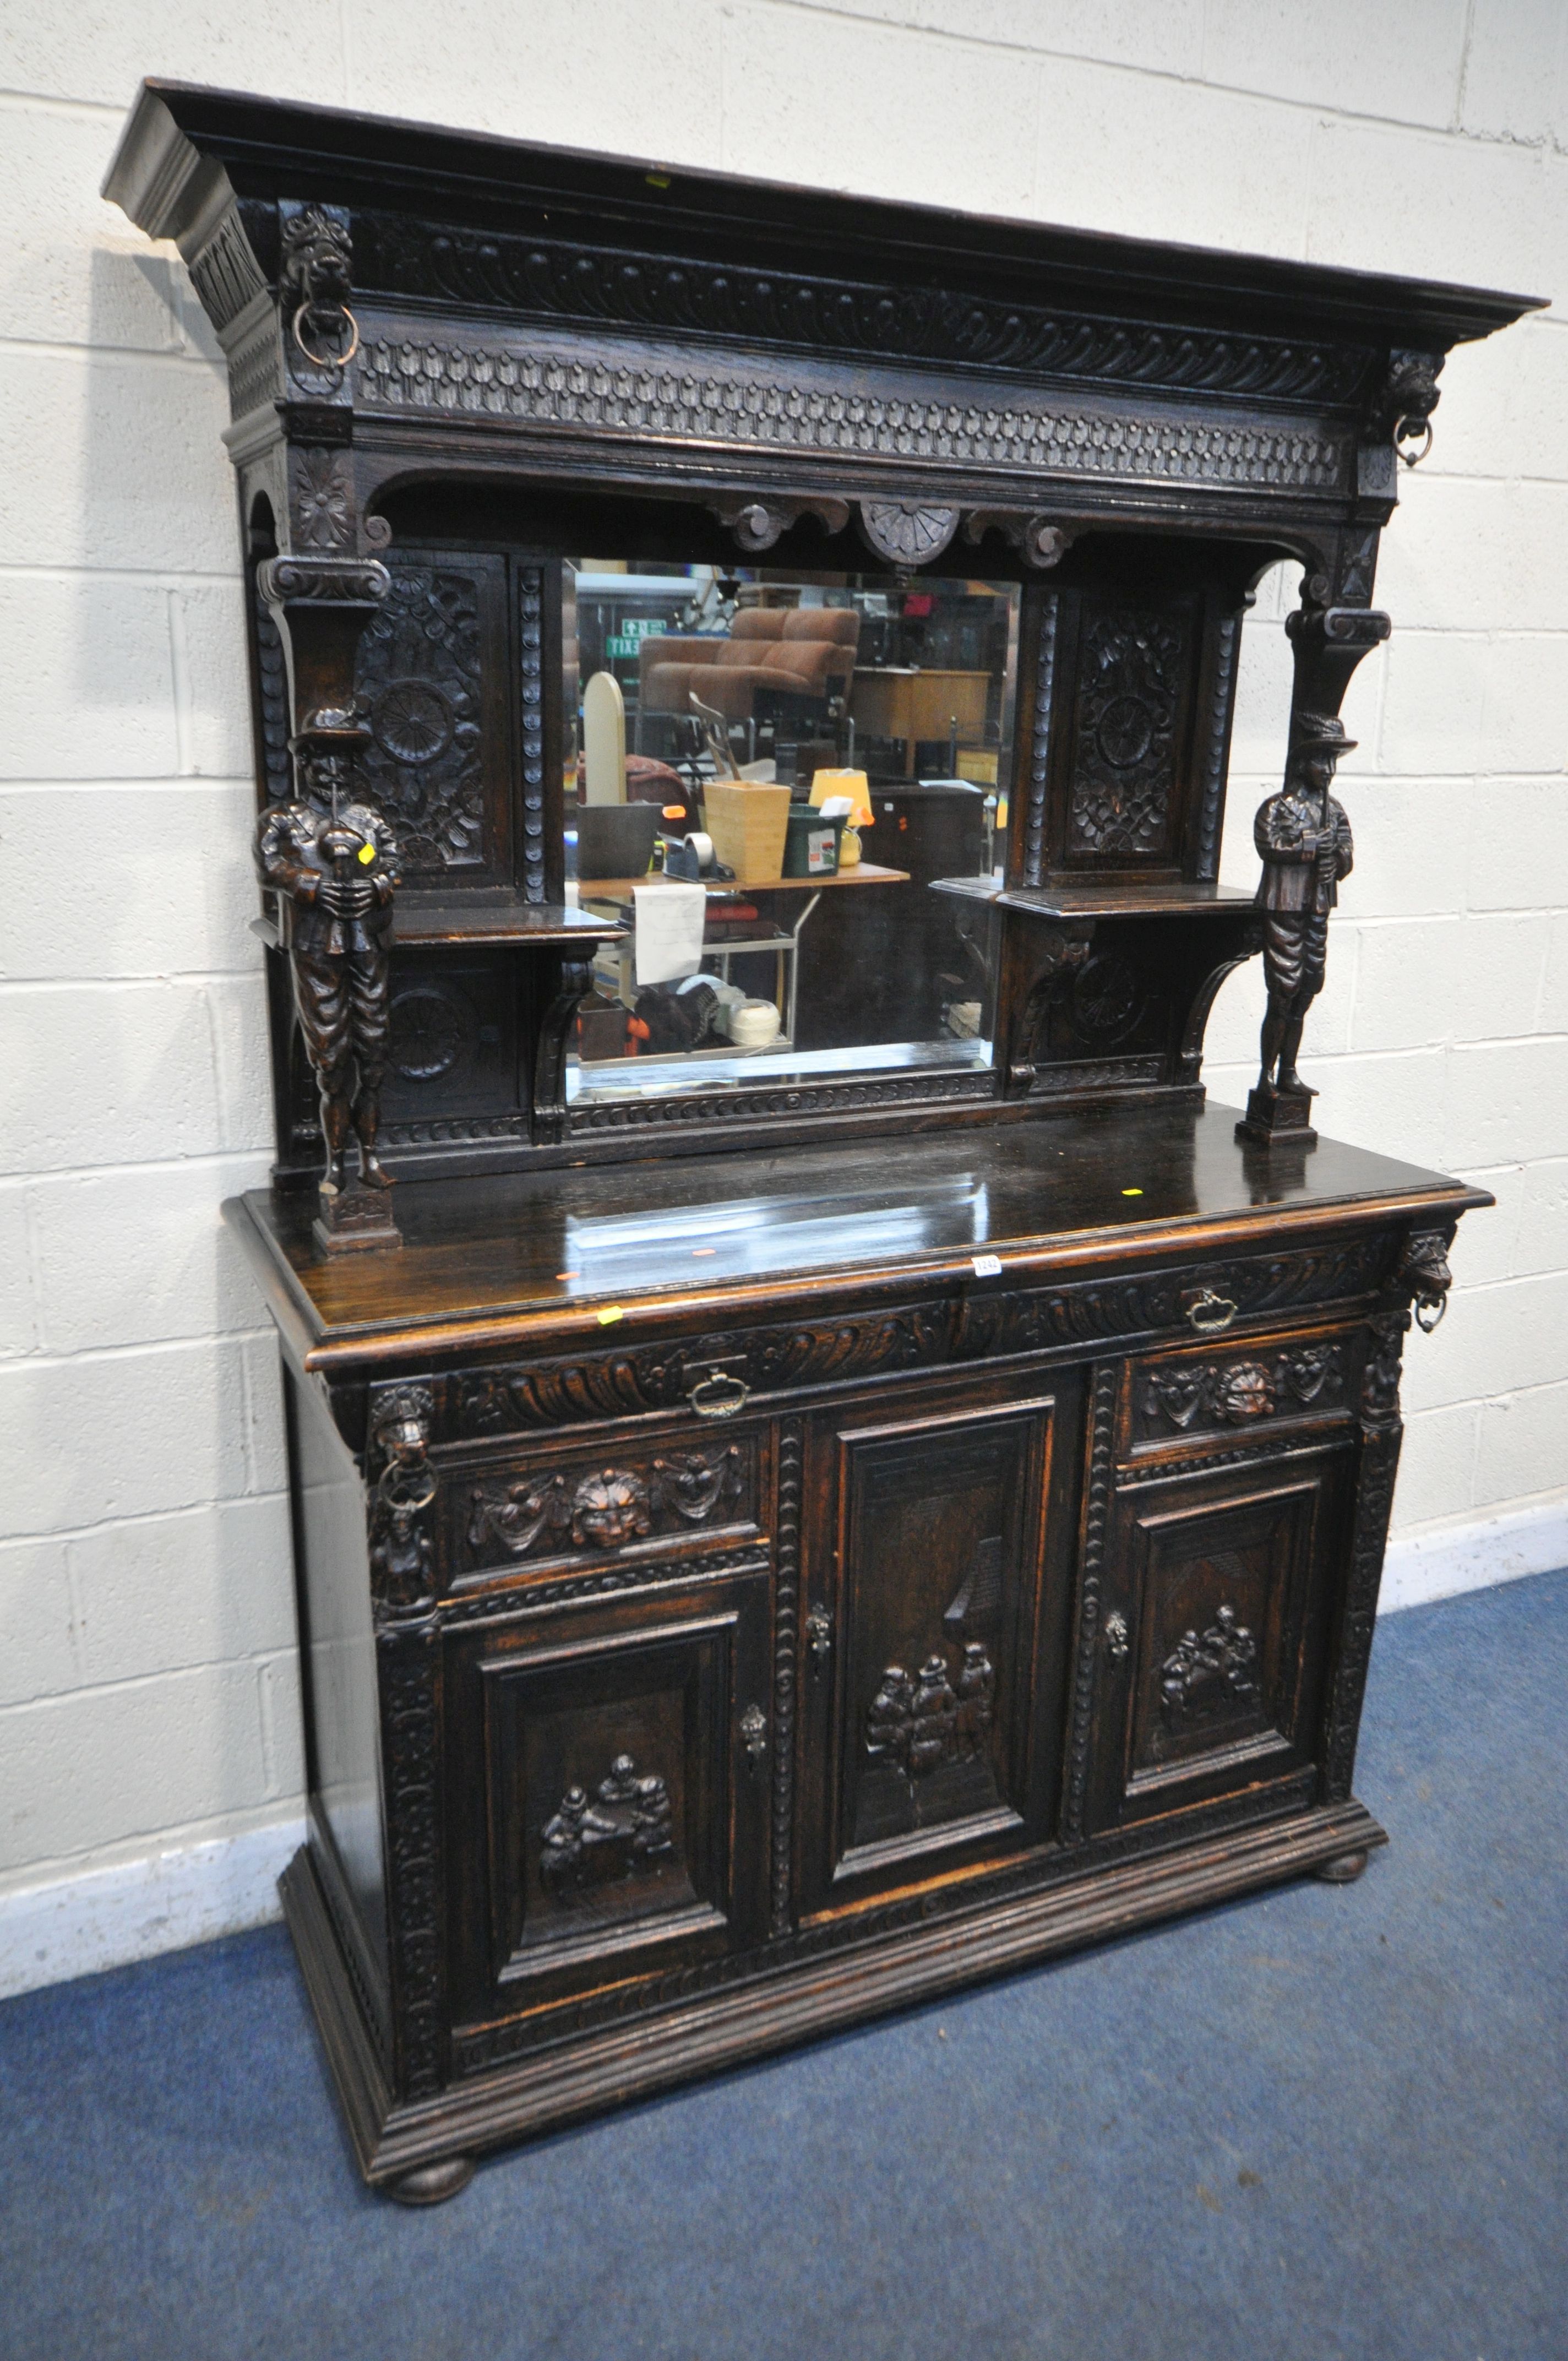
336, 864
1304, 841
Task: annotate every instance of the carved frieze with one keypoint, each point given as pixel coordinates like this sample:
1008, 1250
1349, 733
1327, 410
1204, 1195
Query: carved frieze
777, 408
553, 279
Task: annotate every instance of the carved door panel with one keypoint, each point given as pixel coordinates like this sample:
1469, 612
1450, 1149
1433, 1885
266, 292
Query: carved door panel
934, 1634
609, 1777
1209, 1663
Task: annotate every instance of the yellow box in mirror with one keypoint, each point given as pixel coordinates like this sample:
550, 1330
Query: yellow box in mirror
978, 766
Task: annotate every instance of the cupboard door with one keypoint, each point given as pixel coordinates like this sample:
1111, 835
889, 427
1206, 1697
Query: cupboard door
936, 1591
609, 1778
1214, 1630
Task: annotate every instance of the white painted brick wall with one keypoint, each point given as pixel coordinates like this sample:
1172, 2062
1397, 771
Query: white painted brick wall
148, 1696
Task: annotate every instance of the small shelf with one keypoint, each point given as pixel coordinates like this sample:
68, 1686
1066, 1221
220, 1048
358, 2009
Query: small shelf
493, 918
1158, 898
864, 872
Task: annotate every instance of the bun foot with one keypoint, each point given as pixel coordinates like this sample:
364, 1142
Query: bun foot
1343, 1870
432, 2184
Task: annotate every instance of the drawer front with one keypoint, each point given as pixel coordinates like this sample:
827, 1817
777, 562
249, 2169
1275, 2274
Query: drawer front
1179, 1401
948, 1328
618, 1503
609, 1784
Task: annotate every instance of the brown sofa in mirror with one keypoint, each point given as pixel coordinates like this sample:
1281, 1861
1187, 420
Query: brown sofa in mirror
804, 656
774, 1548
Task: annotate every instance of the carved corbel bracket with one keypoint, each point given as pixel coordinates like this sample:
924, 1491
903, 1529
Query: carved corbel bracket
576, 982
321, 606
1063, 950
1335, 625
760, 520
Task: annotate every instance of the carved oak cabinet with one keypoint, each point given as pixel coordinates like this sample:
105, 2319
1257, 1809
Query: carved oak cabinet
776, 1541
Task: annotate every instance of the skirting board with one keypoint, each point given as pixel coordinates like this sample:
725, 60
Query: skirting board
1446, 1559
108, 1917
135, 1909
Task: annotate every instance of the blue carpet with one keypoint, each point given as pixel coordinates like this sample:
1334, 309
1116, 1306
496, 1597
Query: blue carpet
1327, 2121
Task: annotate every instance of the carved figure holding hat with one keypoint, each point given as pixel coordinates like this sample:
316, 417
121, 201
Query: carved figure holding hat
334, 862
1304, 841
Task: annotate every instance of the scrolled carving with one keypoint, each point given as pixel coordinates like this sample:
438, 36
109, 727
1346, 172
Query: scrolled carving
1216, 1666
332, 581
1039, 540
1234, 1393
758, 522
907, 533
608, 1507
625, 1828
562, 279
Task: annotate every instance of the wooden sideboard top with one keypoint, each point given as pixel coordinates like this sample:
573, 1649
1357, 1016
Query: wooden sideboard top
586, 1252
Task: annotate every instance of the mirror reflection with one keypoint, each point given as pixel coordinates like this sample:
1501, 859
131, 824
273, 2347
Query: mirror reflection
772, 778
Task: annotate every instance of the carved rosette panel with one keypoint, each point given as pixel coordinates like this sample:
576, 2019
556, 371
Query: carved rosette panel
1132, 671
625, 1828
419, 676
906, 533
1237, 1393
606, 1507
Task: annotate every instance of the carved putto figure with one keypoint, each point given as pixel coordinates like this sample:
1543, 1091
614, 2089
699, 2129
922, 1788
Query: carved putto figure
334, 863
1304, 841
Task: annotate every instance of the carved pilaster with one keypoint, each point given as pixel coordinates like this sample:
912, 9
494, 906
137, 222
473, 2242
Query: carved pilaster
787, 1664
1096, 1515
1381, 1433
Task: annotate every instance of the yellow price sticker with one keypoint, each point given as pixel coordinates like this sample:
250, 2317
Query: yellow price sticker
366, 854
611, 1311
1132, 1192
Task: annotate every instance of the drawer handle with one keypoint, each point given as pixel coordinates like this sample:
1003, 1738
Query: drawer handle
718, 1395
1116, 1636
754, 1730
1211, 1314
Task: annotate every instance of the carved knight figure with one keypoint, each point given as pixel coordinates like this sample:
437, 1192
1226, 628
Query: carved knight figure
334, 863
1304, 841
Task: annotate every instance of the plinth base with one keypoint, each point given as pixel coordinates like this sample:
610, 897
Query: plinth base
353, 1218
1278, 1117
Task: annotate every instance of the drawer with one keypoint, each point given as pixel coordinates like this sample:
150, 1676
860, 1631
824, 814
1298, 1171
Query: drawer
617, 1500
1178, 1401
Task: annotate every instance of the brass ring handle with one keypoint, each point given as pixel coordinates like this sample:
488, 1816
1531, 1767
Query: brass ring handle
407, 1488
1429, 1310
1411, 458
722, 1404
326, 360
1211, 1314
